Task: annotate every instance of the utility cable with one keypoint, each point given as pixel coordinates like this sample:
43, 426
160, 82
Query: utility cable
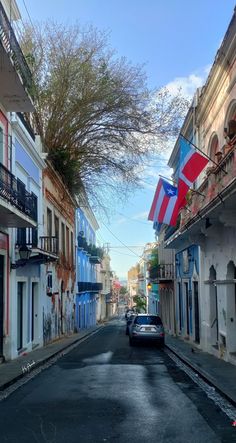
121, 241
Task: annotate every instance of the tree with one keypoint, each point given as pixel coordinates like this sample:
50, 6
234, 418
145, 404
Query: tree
96, 117
140, 303
123, 290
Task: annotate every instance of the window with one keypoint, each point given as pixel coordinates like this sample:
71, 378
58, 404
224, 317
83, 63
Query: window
63, 246
214, 148
56, 232
72, 248
67, 243
49, 222
56, 226
147, 320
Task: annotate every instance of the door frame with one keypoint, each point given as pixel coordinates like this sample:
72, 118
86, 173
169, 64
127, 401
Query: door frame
34, 334
196, 311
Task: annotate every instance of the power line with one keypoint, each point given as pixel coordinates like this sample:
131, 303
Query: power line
133, 219
122, 253
28, 15
126, 246
121, 241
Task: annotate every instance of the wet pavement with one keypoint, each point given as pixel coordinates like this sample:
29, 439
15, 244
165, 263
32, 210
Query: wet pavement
105, 391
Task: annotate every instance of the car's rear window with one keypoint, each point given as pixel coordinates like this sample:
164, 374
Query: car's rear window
148, 320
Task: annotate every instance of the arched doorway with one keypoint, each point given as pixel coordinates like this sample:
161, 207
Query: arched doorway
214, 320
230, 122
213, 149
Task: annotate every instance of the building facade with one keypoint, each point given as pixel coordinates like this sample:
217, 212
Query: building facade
132, 284
88, 256
106, 281
59, 269
17, 204
207, 233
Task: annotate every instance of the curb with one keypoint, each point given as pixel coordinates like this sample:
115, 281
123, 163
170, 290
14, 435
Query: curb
205, 376
46, 359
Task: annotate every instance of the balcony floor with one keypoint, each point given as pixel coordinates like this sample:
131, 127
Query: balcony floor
13, 94
11, 217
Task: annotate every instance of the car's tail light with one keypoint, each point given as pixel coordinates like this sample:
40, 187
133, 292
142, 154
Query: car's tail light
162, 334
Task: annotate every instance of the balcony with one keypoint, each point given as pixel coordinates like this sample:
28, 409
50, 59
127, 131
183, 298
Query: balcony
89, 287
165, 272
26, 123
15, 75
212, 204
43, 249
95, 254
95, 259
18, 207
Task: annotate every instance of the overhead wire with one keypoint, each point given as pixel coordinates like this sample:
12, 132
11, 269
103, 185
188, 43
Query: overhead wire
120, 240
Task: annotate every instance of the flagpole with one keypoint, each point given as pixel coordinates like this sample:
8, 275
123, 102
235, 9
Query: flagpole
207, 156
166, 178
191, 189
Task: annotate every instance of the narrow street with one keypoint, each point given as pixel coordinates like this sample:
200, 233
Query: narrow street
106, 391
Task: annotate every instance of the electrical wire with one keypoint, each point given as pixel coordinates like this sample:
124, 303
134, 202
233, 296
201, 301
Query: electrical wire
122, 253
132, 219
120, 240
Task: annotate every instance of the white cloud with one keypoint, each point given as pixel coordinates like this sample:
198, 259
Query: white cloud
190, 83
141, 216
121, 221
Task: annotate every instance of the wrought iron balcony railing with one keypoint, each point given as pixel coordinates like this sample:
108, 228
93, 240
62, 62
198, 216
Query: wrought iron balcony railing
89, 286
13, 191
166, 272
217, 179
26, 124
29, 237
12, 47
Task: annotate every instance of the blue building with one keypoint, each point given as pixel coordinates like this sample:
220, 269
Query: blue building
88, 257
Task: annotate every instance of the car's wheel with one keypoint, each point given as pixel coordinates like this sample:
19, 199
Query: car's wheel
131, 341
162, 344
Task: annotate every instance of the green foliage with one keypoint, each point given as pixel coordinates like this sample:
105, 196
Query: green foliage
123, 290
96, 117
140, 303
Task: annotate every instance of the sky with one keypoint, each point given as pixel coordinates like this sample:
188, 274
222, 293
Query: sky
176, 41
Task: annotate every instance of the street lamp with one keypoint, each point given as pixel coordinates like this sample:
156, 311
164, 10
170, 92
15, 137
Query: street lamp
149, 286
24, 253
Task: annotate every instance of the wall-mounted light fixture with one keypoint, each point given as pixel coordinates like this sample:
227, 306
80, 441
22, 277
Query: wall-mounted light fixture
24, 253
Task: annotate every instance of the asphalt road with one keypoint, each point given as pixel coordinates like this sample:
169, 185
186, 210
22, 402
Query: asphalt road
106, 391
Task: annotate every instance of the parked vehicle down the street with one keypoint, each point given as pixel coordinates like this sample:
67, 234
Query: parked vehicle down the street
146, 327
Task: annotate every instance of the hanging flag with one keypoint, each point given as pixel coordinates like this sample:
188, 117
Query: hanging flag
165, 205
191, 165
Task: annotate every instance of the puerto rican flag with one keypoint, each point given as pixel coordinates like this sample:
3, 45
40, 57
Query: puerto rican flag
165, 205
191, 165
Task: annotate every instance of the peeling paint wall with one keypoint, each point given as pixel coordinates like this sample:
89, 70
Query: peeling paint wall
59, 275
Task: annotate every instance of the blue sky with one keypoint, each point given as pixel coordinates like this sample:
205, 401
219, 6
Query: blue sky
177, 41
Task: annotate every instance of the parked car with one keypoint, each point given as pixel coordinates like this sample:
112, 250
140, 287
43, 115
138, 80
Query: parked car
128, 322
146, 327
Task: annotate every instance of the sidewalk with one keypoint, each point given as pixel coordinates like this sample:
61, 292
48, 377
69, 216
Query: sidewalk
11, 371
217, 372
